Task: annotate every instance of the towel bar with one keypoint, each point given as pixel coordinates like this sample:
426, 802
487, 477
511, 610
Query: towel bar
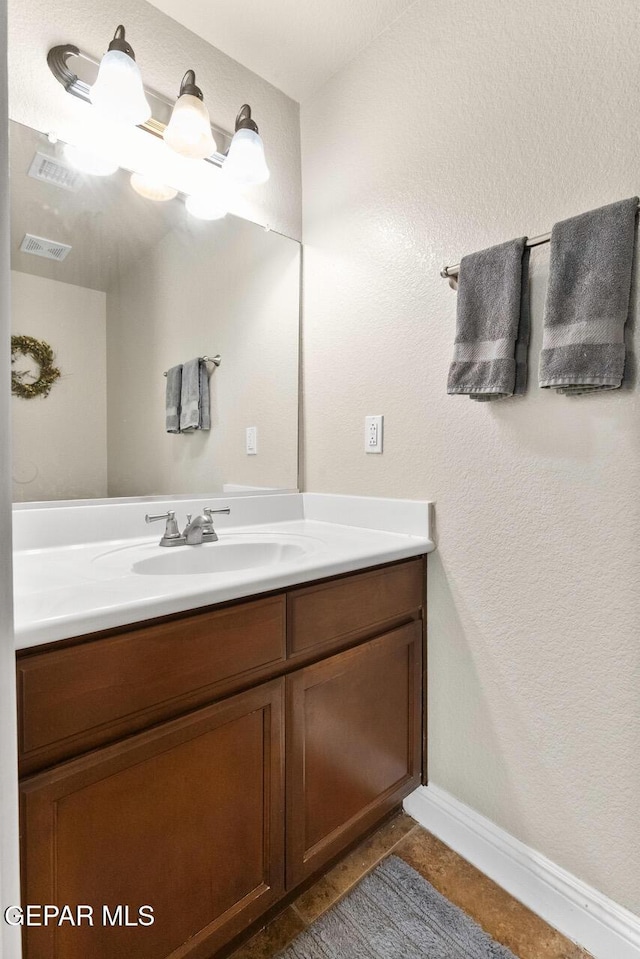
451, 272
216, 360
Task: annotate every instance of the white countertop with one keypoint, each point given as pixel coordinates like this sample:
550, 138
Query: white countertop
72, 588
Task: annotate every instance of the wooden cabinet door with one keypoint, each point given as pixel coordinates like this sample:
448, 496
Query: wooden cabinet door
353, 745
187, 817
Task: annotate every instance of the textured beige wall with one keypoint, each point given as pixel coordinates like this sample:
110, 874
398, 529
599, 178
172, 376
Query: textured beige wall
457, 128
60, 441
225, 287
164, 50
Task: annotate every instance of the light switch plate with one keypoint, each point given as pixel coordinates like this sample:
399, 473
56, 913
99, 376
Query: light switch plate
252, 440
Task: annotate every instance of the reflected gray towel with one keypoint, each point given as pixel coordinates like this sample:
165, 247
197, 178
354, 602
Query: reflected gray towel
591, 264
194, 402
492, 325
172, 402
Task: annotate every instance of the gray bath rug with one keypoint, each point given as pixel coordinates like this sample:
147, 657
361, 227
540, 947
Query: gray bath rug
393, 913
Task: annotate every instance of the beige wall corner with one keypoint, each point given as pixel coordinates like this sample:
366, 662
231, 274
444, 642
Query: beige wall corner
456, 129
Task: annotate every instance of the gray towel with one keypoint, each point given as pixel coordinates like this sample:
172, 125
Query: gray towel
172, 405
492, 326
194, 401
591, 264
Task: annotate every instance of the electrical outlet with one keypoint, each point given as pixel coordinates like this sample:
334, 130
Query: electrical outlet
373, 434
252, 440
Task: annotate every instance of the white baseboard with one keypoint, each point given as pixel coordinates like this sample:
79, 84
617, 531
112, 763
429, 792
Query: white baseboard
599, 925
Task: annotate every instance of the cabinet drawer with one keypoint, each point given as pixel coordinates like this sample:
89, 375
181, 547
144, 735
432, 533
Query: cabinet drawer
329, 615
80, 697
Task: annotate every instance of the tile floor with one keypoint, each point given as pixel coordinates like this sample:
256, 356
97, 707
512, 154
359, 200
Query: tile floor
496, 911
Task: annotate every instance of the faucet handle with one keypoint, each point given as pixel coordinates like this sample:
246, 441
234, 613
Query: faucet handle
171, 529
210, 534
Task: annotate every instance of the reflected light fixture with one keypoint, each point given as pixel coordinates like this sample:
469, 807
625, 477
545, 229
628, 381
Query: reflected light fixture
189, 130
118, 92
152, 189
89, 161
245, 163
207, 206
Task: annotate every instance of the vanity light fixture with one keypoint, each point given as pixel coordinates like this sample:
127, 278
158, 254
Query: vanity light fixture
170, 148
189, 130
245, 163
152, 189
118, 92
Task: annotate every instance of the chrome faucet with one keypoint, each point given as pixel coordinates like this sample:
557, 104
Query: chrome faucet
197, 531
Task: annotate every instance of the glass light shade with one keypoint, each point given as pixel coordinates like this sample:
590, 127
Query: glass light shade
189, 130
207, 206
152, 189
89, 161
118, 92
245, 163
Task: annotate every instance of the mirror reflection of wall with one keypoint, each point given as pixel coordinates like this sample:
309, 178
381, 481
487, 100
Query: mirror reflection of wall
145, 287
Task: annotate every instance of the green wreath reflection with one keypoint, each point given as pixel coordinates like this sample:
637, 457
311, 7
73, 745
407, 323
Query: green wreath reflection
42, 353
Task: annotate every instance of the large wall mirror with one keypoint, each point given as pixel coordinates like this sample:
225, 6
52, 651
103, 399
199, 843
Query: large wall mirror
143, 288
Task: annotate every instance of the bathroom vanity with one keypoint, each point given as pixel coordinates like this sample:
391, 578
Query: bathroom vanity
208, 762
202, 729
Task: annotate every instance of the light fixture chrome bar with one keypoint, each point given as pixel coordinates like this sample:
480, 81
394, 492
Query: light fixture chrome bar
216, 360
58, 60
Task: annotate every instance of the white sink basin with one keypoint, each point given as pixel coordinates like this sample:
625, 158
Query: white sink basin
231, 553
216, 558
83, 569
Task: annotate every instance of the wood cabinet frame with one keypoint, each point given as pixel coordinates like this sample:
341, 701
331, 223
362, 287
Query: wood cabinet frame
289, 643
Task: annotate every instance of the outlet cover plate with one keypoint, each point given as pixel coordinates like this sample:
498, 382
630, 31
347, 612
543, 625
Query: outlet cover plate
373, 433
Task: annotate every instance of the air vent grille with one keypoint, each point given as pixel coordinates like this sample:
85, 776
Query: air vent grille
54, 171
38, 246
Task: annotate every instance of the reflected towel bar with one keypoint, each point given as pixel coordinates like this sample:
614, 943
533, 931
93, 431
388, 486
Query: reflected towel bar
216, 360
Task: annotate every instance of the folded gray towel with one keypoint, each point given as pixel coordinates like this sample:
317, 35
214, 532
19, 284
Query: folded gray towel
492, 325
194, 400
591, 264
172, 405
